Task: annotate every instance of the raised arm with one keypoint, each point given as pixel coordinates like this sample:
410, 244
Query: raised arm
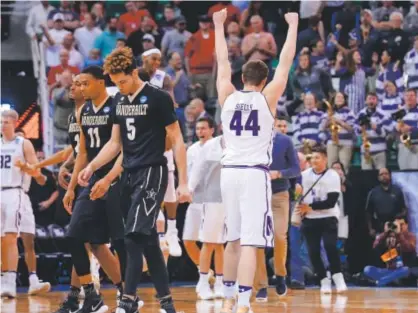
276, 87
223, 80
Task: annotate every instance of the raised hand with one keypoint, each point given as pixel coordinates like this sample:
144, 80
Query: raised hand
219, 17
292, 18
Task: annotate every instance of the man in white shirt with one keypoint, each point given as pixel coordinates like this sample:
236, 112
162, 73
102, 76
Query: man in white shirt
53, 40
38, 15
76, 59
320, 212
86, 35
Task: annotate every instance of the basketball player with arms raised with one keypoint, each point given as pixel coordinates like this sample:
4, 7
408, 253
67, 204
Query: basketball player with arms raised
248, 119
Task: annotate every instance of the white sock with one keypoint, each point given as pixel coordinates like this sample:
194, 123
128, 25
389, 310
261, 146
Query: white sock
244, 296
229, 289
203, 278
171, 225
11, 276
33, 278
219, 279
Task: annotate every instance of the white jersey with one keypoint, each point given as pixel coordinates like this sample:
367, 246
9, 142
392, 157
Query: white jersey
247, 129
12, 176
158, 78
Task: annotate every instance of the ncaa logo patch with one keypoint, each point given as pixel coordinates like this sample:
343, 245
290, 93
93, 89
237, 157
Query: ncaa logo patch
143, 99
106, 109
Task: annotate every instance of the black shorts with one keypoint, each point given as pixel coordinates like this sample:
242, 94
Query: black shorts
142, 194
97, 221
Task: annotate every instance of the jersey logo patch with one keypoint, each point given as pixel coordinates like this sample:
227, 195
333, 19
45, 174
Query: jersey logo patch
106, 109
143, 99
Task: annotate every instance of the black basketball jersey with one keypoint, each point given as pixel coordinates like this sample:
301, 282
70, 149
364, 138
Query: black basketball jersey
96, 126
74, 132
142, 118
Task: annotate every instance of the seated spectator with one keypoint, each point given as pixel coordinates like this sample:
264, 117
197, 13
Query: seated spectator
55, 72
233, 13
70, 18
199, 56
63, 107
43, 198
106, 41
373, 125
98, 11
233, 30
308, 35
86, 35
340, 141
169, 19
307, 126
237, 61
385, 203
396, 249
76, 59
131, 20
408, 127
175, 40
392, 99
388, 71
53, 39
93, 58
411, 69
38, 15
410, 24
134, 40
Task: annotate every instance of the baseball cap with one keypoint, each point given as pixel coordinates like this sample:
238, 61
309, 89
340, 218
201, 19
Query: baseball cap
148, 37
181, 19
58, 16
204, 18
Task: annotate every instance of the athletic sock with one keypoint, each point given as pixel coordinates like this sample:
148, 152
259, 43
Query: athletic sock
33, 278
171, 225
219, 279
244, 296
203, 278
229, 289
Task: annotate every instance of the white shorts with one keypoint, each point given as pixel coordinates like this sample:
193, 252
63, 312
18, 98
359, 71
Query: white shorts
170, 194
192, 222
246, 195
16, 212
213, 227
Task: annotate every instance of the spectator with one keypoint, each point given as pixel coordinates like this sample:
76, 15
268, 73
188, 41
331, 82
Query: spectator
308, 124
408, 152
368, 35
411, 68
43, 198
99, 12
392, 100
199, 55
396, 39
233, 30
106, 41
373, 125
353, 79
383, 13
83, 9
53, 40
76, 59
120, 43
237, 61
255, 8
340, 147
175, 40
54, 74
410, 24
306, 36
397, 265
169, 19
94, 58
63, 107
233, 13
148, 43
135, 38
347, 18
318, 57
70, 18
86, 35
259, 45
388, 71
131, 20
38, 15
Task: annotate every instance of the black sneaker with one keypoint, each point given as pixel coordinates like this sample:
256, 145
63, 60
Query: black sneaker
281, 288
167, 305
93, 303
127, 305
70, 305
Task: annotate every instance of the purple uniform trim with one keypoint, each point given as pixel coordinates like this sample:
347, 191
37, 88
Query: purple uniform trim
258, 167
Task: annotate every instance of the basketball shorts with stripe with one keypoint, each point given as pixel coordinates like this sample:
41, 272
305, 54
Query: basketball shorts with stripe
143, 192
16, 212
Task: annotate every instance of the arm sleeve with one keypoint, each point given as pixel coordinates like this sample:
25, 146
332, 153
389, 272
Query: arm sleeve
165, 105
326, 204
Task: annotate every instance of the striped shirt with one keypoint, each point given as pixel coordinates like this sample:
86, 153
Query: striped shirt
377, 138
411, 68
411, 119
345, 137
391, 103
308, 125
389, 74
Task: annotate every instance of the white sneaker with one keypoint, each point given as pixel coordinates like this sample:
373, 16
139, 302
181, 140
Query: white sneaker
173, 243
339, 282
326, 285
8, 287
39, 288
205, 293
219, 294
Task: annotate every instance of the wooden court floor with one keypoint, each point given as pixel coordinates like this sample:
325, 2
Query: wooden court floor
356, 300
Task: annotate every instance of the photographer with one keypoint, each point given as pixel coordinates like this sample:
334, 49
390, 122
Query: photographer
373, 125
396, 248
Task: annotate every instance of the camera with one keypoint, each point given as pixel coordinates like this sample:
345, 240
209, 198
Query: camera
392, 226
364, 120
398, 115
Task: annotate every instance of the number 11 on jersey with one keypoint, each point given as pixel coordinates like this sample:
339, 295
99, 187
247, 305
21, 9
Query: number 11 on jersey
250, 125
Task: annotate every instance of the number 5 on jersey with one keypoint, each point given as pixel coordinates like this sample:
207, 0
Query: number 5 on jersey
130, 128
251, 124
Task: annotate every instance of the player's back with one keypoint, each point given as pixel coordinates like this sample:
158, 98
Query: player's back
12, 176
247, 128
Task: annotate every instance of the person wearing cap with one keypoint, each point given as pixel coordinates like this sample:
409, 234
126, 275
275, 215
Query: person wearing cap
53, 40
70, 18
199, 55
175, 40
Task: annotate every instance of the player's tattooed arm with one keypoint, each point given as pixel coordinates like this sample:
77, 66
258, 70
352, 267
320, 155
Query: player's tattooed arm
30, 157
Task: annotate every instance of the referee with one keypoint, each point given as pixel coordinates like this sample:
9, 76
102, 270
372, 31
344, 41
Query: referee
143, 116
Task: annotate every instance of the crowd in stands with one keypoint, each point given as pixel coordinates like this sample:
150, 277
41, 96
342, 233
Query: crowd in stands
353, 86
